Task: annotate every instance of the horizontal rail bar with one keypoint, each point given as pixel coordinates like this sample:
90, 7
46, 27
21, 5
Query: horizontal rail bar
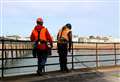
56, 41
58, 56
58, 64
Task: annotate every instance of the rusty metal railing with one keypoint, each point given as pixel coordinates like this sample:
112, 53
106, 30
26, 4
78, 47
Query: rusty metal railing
16, 49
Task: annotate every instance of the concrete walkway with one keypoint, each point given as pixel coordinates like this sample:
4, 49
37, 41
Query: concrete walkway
73, 76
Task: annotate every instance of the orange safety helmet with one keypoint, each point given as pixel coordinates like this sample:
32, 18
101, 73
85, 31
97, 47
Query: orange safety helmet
39, 19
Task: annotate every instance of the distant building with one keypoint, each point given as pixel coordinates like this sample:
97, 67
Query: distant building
83, 39
24, 38
1, 37
98, 39
13, 37
16, 37
115, 40
75, 38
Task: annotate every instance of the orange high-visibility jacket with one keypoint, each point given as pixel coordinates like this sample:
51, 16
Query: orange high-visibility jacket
44, 34
64, 33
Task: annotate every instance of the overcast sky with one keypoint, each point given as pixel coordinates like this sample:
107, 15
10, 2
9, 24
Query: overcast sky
88, 17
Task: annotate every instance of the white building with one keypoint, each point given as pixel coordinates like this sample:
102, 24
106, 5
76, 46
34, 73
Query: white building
98, 39
75, 38
115, 40
16, 37
13, 37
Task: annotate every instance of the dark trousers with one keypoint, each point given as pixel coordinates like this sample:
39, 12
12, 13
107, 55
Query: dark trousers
42, 58
62, 50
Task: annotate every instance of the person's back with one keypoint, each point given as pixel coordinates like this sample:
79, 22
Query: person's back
40, 36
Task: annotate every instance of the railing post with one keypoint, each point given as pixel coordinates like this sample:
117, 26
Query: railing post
2, 58
11, 49
23, 48
97, 56
16, 49
115, 54
20, 48
72, 58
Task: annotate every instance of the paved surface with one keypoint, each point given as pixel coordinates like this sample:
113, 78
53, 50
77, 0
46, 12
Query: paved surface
73, 76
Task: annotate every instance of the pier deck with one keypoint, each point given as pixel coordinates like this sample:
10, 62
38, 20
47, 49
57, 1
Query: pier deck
107, 74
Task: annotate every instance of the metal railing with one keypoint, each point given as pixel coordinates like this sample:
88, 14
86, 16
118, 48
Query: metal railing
16, 49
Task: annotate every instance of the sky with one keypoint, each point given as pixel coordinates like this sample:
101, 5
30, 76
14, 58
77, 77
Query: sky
88, 17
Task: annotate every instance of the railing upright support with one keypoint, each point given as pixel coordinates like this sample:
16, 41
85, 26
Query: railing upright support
11, 49
72, 58
97, 61
2, 75
16, 44
115, 54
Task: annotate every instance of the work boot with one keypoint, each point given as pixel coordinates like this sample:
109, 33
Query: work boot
66, 70
39, 72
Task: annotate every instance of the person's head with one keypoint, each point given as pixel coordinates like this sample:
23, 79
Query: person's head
68, 25
39, 21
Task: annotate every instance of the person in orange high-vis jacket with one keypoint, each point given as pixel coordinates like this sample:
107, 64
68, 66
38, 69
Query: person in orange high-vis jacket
64, 45
40, 34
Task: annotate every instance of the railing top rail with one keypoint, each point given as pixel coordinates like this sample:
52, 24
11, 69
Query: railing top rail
56, 41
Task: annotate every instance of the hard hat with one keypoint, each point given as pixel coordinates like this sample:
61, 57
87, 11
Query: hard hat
68, 25
39, 19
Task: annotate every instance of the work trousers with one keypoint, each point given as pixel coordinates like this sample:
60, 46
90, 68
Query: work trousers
62, 50
42, 58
